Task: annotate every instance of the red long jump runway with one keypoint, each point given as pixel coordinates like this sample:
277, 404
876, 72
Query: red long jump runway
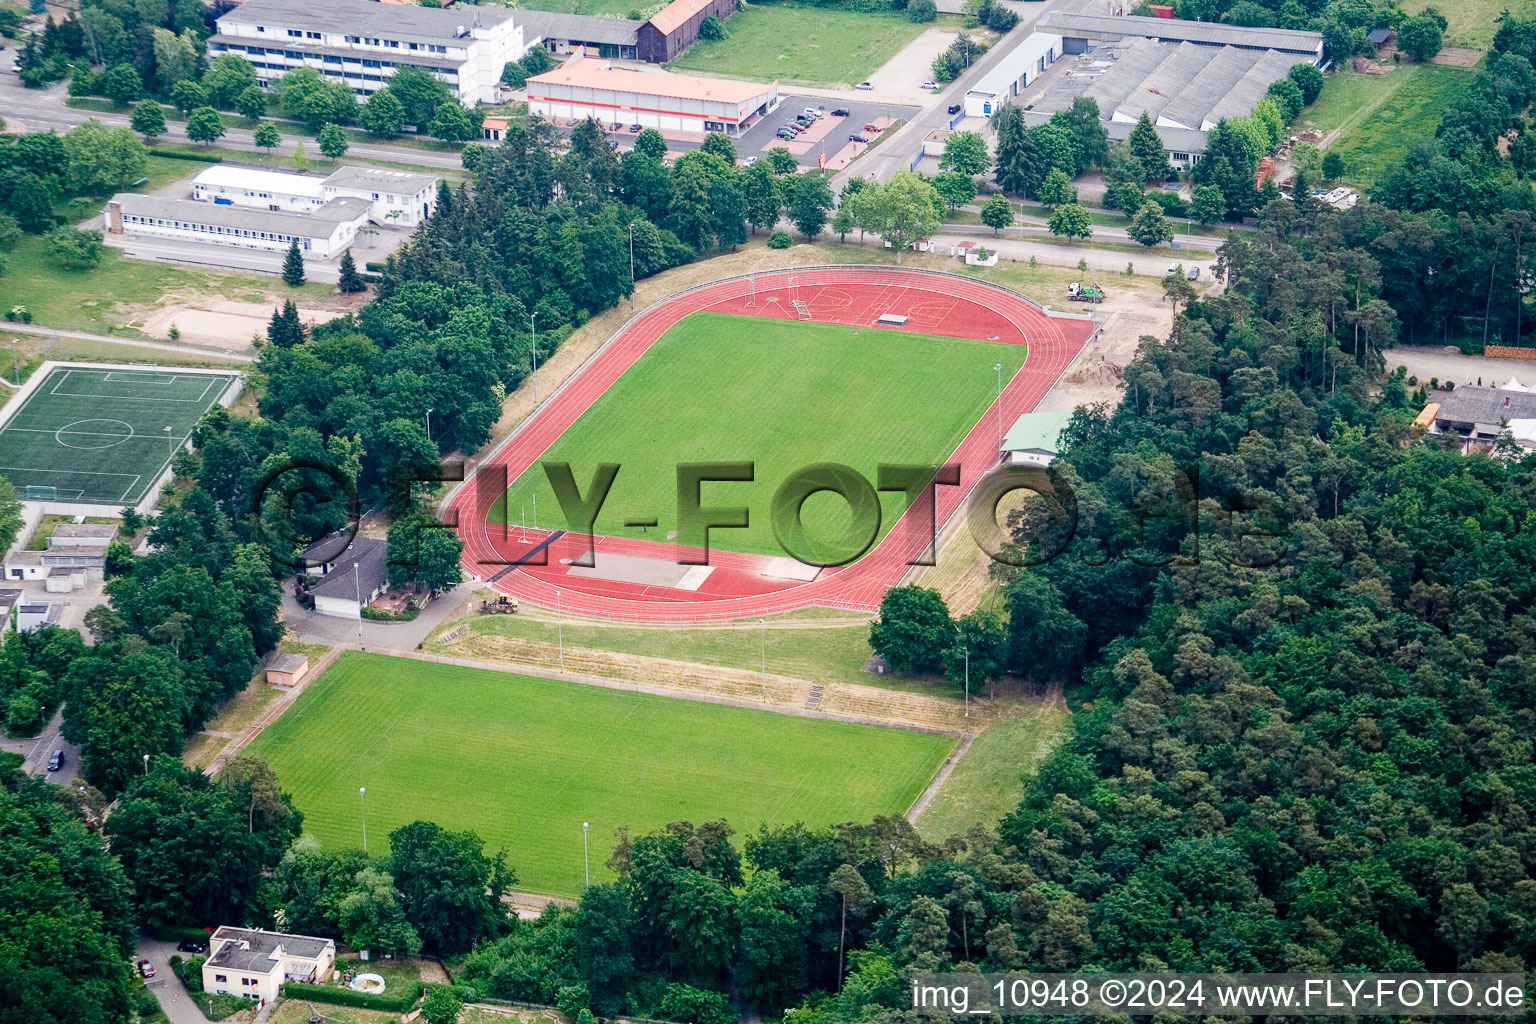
735, 586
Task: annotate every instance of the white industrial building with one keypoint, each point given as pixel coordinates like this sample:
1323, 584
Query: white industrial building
594, 88
1186, 88
360, 43
395, 198
1083, 30
1017, 70
324, 232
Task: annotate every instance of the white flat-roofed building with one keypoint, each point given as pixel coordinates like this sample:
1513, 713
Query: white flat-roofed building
394, 198
1013, 74
398, 198
360, 43
594, 88
267, 190
323, 232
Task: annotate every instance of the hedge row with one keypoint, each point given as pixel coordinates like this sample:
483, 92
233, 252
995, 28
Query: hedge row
181, 154
338, 995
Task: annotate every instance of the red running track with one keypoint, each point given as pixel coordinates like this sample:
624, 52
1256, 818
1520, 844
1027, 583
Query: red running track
735, 588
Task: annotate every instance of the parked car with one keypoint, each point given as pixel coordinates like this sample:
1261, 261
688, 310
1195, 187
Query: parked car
864, 85
931, 85
749, 161
840, 112
1193, 275
857, 138
786, 134
634, 129
56, 761
188, 946
146, 969
811, 112
954, 108
1174, 268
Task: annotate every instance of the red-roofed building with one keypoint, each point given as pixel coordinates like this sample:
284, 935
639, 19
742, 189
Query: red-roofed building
676, 27
595, 88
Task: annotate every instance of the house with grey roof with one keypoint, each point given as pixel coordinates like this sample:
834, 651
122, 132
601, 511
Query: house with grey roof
353, 573
254, 963
1478, 415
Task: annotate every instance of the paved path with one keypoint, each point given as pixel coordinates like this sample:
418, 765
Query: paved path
213, 355
1450, 364
179, 1004
35, 751
312, 627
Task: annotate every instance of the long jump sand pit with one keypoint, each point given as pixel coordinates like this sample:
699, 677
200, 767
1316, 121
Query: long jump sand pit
227, 324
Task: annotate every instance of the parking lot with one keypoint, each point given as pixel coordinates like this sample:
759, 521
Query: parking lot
762, 136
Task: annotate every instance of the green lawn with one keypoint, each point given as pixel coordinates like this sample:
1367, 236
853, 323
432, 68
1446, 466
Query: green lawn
118, 290
794, 644
524, 761
600, 8
815, 45
988, 781
1383, 116
781, 394
1472, 22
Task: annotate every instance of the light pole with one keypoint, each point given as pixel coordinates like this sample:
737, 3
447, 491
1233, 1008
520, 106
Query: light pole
631, 267
146, 764
170, 442
967, 682
429, 423
762, 630
999, 369
16, 364
357, 581
363, 810
560, 630
533, 334
584, 858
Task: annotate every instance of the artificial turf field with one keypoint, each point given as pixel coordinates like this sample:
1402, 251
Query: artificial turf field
782, 394
104, 435
524, 761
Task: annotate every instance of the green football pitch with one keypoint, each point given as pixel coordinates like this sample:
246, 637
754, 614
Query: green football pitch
100, 435
523, 762
781, 394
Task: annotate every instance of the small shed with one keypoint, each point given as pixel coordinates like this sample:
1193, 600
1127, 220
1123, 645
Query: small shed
494, 129
64, 579
287, 670
1032, 440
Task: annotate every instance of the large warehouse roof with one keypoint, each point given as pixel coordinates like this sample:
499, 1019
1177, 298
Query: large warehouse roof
676, 14
1180, 85
596, 74
406, 22
586, 28
1106, 26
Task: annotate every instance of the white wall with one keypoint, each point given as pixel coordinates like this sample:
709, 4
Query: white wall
1013, 74
341, 607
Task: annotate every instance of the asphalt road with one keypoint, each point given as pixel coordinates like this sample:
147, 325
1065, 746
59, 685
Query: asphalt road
44, 109
897, 153
36, 750
179, 1004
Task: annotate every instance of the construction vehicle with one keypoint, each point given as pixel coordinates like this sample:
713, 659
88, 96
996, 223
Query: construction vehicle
1076, 292
500, 606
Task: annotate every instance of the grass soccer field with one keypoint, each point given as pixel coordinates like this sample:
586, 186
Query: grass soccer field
103, 435
815, 45
523, 762
781, 394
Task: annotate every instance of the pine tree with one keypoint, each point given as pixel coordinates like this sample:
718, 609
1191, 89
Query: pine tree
293, 266
1147, 145
286, 329
350, 280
